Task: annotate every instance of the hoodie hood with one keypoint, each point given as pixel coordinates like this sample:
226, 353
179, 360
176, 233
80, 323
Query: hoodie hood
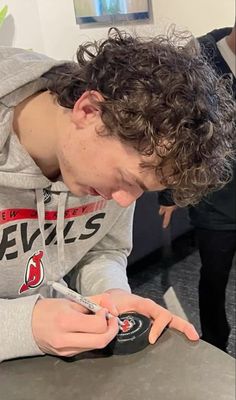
19, 67
20, 77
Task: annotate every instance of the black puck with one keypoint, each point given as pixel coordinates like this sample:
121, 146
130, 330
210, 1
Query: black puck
133, 335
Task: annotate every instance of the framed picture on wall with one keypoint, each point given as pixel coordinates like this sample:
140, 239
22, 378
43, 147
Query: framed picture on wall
112, 12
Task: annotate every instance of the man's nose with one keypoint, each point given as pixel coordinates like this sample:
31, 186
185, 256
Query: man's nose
125, 199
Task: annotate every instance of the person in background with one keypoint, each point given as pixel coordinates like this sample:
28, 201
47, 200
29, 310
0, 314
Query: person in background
79, 143
214, 218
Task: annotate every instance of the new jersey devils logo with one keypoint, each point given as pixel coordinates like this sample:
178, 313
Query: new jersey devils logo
34, 273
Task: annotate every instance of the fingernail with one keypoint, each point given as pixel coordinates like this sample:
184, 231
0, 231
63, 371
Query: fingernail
194, 334
152, 339
197, 337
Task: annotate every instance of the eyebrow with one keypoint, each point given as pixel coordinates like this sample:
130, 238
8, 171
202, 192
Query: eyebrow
138, 181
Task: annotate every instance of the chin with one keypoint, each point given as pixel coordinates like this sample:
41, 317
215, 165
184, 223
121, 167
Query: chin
78, 192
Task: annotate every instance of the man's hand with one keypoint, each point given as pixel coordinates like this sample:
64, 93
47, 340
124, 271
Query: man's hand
65, 328
161, 317
166, 211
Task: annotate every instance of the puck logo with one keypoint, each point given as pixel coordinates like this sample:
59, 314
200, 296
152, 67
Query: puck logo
127, 325
131, 325
34, 273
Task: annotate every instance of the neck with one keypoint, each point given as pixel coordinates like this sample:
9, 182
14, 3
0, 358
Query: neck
35, 125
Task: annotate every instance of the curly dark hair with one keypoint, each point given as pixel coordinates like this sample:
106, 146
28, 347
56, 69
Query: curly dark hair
161, 97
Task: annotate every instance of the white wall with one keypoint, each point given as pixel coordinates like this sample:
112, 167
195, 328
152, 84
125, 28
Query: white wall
49, 25
22, 27
198, 16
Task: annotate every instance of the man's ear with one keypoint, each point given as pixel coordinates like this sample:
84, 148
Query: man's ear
86, 109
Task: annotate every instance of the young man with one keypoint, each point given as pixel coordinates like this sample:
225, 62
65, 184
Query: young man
79, 143
215, 216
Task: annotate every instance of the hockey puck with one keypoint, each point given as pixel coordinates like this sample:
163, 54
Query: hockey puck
133, 334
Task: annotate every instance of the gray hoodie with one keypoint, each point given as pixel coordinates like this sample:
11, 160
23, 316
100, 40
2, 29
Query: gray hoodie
45, 231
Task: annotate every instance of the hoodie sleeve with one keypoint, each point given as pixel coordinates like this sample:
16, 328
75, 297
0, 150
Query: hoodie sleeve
165, 198
16, 336
104, 267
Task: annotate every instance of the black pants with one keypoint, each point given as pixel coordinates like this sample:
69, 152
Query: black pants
217, 250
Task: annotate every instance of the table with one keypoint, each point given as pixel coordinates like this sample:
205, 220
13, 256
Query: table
172, 369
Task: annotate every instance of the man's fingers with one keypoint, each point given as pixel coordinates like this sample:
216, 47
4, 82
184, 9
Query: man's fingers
174, 322
166, 219
70, 352
158, 326
167, 212
162, 318
78, 341
105, 301
184, 326
75, 321
77, 307
161, 211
